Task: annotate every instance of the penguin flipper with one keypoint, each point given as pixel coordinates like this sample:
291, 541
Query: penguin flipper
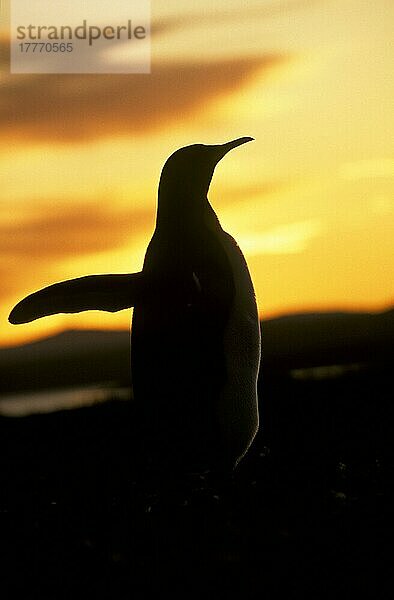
93, 292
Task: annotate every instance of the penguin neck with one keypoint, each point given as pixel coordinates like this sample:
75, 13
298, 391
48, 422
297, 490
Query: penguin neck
181, 214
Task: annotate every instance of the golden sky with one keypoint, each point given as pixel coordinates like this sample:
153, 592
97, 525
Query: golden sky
310, 201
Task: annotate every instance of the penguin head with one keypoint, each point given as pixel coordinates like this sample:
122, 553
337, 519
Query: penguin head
187, 173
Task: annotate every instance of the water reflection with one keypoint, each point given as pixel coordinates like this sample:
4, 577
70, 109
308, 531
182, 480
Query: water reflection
29, 403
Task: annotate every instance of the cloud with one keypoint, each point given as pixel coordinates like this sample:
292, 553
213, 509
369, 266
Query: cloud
291, 238
232, 16
62, 233
31, 249
65, 108
262, 188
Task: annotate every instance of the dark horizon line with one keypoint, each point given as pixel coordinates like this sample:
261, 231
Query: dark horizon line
279, 317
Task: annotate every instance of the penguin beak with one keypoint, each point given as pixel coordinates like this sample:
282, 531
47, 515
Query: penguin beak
222, 149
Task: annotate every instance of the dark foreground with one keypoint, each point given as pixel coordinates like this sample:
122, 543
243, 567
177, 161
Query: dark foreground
307, 513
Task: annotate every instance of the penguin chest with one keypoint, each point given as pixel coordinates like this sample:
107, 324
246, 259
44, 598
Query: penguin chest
237, 405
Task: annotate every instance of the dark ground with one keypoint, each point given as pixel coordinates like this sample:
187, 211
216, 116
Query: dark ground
308, 513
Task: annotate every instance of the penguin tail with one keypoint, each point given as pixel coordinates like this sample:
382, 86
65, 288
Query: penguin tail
93, 292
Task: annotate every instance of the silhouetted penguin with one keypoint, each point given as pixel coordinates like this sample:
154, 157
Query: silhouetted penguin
195, 337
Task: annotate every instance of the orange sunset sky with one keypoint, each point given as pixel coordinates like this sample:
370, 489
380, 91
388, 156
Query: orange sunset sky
310, 201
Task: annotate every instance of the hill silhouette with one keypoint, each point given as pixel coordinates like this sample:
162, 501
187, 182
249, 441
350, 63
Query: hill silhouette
80, 357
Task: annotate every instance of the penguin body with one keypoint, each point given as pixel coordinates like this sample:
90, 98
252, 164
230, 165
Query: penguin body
195, 336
